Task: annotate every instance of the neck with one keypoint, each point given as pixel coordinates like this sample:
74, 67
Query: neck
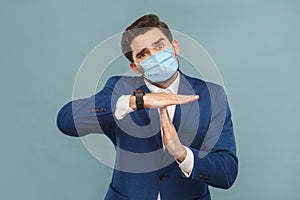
166, 83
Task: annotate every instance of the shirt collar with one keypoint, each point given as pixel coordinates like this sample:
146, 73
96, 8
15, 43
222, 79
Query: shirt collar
173, 88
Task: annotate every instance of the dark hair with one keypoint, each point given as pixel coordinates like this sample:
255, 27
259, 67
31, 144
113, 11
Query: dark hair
139, 27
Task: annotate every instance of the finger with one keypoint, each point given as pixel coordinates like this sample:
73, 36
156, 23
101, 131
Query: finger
183, 99
187, 97
169, 134
166, 123
164, 117
165, 113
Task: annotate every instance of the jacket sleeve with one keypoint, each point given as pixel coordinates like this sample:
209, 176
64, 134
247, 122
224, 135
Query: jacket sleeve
89, 115
216, 163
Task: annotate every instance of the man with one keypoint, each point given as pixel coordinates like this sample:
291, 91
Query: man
173, 134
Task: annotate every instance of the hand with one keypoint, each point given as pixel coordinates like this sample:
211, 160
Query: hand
162, 100
170, 136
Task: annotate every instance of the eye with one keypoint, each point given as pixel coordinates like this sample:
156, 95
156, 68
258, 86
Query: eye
160, 46
142, 55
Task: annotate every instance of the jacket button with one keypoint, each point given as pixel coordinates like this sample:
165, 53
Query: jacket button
162, 177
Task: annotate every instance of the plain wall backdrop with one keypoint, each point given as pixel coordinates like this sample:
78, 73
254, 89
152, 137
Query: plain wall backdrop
255, 45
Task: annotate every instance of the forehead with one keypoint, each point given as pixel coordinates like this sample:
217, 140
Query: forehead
146, 39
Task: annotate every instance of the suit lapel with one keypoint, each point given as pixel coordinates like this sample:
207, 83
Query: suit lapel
186, 116
151, 114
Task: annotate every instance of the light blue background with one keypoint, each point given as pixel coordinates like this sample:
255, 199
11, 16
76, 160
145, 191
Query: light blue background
255, 44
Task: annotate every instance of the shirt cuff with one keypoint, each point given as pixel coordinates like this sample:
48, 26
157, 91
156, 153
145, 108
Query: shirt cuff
122, 107
187, 164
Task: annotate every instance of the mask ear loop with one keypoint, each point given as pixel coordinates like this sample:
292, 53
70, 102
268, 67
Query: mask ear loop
140, 70
138, 67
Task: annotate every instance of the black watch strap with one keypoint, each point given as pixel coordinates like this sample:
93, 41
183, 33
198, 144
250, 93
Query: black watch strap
139, 99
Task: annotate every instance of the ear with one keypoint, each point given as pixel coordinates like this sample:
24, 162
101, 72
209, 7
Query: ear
176, 46
133, 67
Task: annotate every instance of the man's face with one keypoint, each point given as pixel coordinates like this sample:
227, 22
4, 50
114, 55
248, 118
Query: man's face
147, 44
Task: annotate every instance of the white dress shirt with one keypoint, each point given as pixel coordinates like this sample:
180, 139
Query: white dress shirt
122, 109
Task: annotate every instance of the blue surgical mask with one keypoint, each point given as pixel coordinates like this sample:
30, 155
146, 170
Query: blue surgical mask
160, 66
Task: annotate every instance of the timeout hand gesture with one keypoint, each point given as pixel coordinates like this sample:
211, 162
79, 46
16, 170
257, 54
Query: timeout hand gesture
170, 136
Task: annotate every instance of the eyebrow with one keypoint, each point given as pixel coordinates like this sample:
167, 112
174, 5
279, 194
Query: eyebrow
154, 43
158, 41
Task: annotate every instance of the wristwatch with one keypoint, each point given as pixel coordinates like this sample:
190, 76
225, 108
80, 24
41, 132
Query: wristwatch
139, 99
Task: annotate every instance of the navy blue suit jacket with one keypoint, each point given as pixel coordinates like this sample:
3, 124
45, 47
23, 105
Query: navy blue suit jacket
142, 167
